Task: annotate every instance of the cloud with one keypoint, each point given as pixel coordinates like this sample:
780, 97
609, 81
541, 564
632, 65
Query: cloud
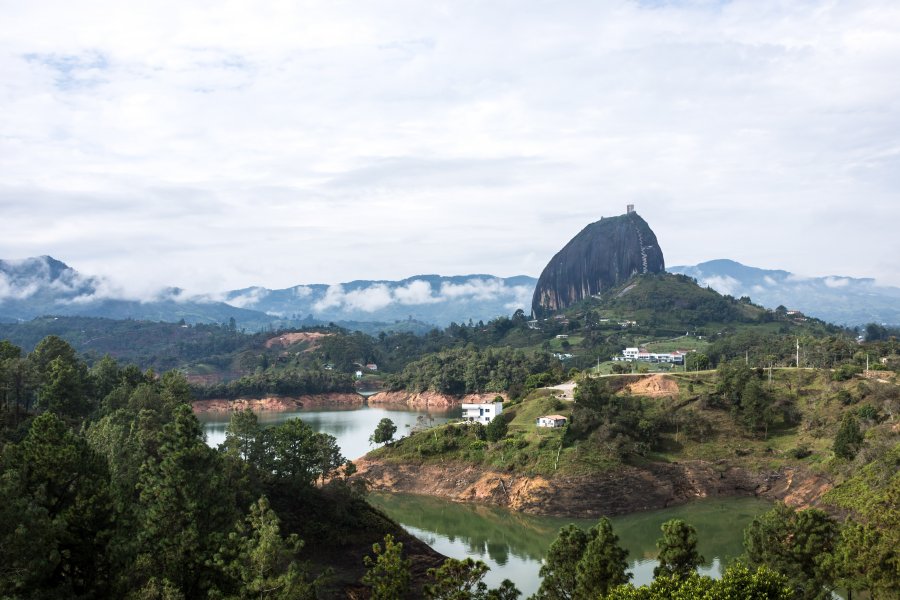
248, 298
415, 292
419, 292
367, 299
836, 282
723, 284
376, 297
11, 290
161, 147
302, 291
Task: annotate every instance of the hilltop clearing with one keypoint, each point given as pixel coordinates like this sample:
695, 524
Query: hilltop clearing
291, 338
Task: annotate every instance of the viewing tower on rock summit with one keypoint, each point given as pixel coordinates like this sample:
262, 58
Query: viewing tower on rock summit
603, 255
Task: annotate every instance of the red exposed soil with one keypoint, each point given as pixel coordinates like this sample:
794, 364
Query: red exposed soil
276, 403
429, 399
628, 489
653, 386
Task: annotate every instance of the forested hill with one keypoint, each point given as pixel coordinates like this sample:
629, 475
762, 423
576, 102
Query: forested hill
108, 489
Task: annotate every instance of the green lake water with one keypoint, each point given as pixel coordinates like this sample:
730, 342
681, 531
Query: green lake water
350, 425
512, 544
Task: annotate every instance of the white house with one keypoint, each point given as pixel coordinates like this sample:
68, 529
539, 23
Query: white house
551, 421
481, 412
641, 355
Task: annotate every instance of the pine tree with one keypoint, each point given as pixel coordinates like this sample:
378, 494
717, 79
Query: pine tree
262, 564
603, 565
848, 439
184, 506
388, 573
798, 545
678, 554
558, 570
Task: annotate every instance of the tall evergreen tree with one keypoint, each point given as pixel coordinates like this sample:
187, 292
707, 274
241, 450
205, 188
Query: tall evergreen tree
603, 565
262, 564
558, 571
66, 486
849, 438
678, 556
185, 507
796, 544
388, 573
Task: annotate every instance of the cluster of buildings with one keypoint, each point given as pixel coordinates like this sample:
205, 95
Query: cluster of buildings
484, 413
642, 355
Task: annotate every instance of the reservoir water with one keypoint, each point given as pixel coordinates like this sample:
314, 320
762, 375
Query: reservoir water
350, 425
511, 543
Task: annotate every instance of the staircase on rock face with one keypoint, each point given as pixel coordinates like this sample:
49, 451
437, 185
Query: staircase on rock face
643, 251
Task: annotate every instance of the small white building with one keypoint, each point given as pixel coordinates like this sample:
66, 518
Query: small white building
551, 421
481, 412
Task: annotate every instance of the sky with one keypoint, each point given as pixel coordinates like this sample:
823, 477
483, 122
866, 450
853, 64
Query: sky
219, 145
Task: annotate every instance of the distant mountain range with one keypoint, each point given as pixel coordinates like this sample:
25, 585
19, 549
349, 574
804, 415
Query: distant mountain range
836, 299
43, 285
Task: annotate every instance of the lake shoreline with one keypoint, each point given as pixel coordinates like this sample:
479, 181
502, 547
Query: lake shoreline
279, 403
623, 491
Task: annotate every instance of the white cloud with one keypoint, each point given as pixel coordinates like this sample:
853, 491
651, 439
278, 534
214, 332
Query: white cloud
334, 297
769, 281
367, 299
836, 282
165, 146
249, 298
415, 292
723, 284
479, 289
12, 291
419, 292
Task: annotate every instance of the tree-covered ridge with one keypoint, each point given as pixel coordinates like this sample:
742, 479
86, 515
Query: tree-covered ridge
268, 383
109, 490
663, 298
469, 370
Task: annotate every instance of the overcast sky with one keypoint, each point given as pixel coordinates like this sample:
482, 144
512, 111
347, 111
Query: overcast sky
216, 145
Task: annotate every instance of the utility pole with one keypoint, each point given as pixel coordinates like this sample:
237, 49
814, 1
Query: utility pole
798, 353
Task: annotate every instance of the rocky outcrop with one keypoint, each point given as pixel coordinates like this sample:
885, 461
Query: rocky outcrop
429, 399
278, 402
624, 490
603, 255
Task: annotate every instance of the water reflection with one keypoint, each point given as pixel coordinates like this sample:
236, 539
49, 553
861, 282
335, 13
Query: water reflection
513, 544
351, 425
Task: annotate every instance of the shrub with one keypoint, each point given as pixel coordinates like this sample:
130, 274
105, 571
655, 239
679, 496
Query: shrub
801, 451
